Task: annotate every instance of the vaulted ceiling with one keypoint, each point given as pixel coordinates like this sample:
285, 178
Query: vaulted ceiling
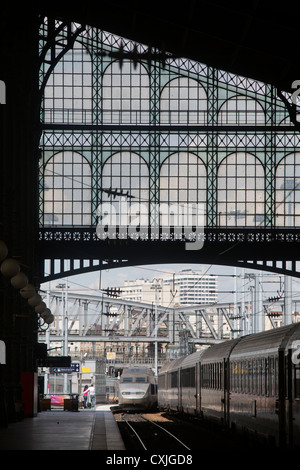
258, 38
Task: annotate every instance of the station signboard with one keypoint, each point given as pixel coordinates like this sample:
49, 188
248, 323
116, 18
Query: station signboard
54, 361
75, 367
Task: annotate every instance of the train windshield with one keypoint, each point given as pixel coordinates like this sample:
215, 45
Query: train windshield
134, 379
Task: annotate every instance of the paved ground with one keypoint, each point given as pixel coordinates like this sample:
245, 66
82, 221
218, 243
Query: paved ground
91, 429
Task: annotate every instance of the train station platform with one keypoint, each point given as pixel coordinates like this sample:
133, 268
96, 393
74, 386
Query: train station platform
86, 429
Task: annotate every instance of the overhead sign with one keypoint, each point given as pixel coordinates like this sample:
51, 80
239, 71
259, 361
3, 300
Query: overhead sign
67, 370
54, 361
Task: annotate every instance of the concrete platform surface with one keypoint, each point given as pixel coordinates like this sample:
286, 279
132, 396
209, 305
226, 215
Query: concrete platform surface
87, 429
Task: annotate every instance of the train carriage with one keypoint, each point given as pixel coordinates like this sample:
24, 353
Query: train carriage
214, 395
189, 390
250, 383
168, 385
177, 384
262, 385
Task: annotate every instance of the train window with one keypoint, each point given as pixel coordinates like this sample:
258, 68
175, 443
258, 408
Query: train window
237, 377
188, 377
248, 371
242, 385
254, 377
263, 377
140, 379
168, 380
208, 376
250, 377
222, 376
234, 376
297, 381
247, 378
184, 377
271, 377
127, 379
208, 373
205, 375
276, 385
239, 384
161, 382
174, 379
267, 377
287, 374
222, 385
242, 377
218, 376
258, 377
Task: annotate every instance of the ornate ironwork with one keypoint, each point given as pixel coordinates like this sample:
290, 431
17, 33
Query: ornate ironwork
149, 132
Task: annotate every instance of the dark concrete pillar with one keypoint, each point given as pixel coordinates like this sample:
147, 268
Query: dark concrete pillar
19, 134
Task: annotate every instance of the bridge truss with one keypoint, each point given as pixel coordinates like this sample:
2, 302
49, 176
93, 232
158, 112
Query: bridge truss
94, 319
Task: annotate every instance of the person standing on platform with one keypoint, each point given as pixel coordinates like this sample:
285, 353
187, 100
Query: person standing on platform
85, 396
92, 393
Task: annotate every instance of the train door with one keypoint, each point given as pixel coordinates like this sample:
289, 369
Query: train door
289, 397
285, 402
288, 403
179, 390
296, 403
226, 392
198, 388
281, 401
293, 398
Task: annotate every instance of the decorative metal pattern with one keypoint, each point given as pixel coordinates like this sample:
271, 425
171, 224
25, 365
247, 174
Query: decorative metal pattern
147, 132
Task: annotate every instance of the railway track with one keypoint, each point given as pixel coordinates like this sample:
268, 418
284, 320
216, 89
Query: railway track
161, 432
143, 433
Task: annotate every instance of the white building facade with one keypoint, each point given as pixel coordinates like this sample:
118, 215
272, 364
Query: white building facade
187, 287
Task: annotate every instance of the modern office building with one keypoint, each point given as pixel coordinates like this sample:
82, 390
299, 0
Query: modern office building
186, 287
194, 287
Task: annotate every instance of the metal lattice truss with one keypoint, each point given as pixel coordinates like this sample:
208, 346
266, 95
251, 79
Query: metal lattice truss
118, 133
91, 318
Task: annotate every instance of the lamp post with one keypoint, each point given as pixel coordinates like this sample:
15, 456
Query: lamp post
65, 326
156, 287
290, 185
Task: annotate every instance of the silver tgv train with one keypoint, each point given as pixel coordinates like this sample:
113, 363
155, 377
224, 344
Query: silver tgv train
137, 388
249, 384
